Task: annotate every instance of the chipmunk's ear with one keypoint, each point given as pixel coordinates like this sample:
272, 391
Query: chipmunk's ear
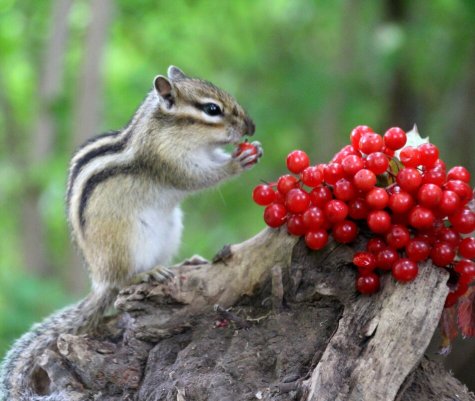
164, 89
174, 73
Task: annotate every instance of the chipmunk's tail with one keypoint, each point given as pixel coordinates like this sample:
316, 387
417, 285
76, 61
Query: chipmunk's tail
21, 379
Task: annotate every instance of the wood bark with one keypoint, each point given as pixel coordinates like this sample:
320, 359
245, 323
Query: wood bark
268, 319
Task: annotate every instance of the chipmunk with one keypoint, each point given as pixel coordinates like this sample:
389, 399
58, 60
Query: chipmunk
123, 197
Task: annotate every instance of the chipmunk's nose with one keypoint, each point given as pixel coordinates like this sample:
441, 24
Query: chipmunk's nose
250, 127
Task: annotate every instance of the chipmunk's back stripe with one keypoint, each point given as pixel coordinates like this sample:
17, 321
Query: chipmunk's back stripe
90, 141
94, 181
103, 150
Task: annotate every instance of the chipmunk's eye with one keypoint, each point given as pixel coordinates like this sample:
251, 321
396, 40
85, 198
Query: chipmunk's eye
212, 109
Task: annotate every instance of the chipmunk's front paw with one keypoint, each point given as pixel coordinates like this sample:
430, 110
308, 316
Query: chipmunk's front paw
247, 154
160, 274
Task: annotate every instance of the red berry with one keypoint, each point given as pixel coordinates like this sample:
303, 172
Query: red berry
311, 176
449, 203
463, 221
376, 245
398, 236
418, 249
410, 156
467, 248
395, 138
439, 163
333, 172
421, 218
365, 261
405, 270
379, 221
386, 259
442, 254
388, 152
370, 143
364, 180
279, 198
316, 239
314, 218
358, 209
244, 146
344, 190
429, 195
356, 134
345, 231
429, 154
377, 198
352, 164
401, 202
320, 196
336, 211
263, 195
435, 175
461, 188
466, 269
297, 161
459, 173
409, 179
275, 215
286, 183
448, 235
367, 284
377, 162
346, 151
296, 225
297, 200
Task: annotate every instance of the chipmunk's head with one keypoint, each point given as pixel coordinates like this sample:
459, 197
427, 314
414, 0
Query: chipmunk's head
201, 112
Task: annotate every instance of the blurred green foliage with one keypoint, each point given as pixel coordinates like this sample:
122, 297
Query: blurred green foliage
307, 71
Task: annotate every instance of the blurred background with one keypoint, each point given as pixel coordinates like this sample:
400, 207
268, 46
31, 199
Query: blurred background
307, 72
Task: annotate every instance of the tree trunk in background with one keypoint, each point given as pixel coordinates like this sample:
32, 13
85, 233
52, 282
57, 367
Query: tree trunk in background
402, 108
43, 136
331, 117
460, 130
13, 129
88, 105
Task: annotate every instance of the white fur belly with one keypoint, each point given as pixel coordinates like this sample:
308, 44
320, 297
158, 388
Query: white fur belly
156, 238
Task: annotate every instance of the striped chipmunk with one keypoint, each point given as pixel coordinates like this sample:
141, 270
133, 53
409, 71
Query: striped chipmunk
123, 205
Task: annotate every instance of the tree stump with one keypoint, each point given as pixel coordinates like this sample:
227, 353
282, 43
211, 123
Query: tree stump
268, 319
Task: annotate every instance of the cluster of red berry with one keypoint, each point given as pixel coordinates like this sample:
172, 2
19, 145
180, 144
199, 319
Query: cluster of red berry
403, 194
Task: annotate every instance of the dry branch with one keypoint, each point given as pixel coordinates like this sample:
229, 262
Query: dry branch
297, 331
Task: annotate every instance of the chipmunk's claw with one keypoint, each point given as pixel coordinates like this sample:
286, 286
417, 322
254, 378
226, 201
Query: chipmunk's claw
159, 274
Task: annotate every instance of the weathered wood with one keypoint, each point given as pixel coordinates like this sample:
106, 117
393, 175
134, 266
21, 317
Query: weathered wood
297, 331
380, 338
